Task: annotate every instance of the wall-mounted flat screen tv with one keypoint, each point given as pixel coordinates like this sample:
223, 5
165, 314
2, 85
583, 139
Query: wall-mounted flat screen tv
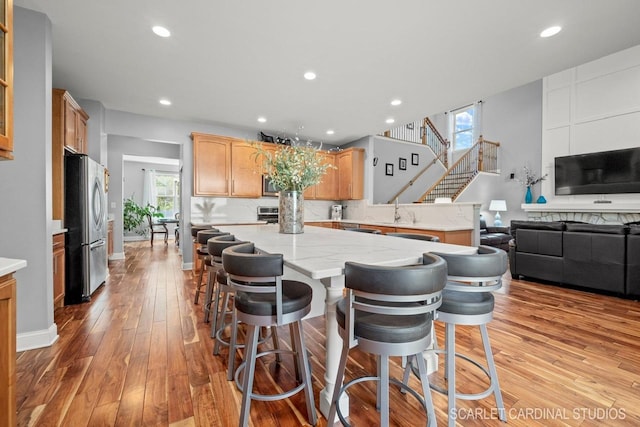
606, 172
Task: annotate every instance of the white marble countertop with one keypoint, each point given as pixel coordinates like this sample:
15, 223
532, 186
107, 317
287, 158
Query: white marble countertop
416, 226
10, 265
58, 231
321, 252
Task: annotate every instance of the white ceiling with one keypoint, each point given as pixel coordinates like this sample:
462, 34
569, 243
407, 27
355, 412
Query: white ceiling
229, 62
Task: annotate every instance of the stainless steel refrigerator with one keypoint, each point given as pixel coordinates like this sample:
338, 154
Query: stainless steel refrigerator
85, 217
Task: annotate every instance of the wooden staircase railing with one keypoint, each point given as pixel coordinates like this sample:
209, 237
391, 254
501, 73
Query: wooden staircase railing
481, 157
422, 132
412, 181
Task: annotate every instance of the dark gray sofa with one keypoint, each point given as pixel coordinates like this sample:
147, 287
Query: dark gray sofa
633, 260
593, 256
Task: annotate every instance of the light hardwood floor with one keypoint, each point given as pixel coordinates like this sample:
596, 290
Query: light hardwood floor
140, 354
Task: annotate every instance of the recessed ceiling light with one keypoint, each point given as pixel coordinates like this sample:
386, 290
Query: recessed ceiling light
330, 132
310, 75
161, 31
551, 31
165, 101
396, 102
262, 119
390, 120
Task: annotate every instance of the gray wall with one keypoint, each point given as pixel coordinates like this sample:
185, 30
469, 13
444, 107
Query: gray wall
25, 183
96, 134
513, 118
389, 151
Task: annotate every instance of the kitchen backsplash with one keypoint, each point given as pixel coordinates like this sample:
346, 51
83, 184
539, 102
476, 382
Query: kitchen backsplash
211, 209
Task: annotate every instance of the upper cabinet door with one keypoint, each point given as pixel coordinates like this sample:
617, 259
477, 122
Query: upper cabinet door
246, 177
6, 80
351, 174
211, 164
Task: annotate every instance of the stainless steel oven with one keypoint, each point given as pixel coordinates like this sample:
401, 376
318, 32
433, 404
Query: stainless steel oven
268, 189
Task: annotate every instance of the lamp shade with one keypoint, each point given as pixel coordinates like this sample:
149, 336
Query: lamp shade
498, 205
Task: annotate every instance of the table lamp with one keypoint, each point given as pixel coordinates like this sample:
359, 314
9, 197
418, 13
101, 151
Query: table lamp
498, 206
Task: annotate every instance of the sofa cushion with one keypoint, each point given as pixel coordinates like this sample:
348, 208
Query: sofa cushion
595, 260
634, 229
542, 267
538, 225
543, 242
598, 228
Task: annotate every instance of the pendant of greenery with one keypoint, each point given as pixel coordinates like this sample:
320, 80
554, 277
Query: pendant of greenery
293, 167
134, 216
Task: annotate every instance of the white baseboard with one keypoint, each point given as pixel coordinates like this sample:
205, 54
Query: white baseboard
37, 339
187, 265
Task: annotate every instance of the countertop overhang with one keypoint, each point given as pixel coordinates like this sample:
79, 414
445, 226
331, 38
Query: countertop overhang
10, 265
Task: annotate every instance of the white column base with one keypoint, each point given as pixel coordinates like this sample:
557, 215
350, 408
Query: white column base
325, 405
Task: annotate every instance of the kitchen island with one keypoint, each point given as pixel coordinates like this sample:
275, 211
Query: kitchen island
319, 254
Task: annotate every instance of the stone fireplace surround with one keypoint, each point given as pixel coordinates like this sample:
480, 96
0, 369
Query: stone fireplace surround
616, 212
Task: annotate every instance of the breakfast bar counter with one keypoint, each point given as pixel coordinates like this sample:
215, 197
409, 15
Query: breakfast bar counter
320, 254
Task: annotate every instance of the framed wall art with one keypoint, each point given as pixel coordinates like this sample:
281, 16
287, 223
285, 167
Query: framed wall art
388, 170
402, 164
414, 159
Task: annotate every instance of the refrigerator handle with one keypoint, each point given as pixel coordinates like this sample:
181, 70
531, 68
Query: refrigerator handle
97, 244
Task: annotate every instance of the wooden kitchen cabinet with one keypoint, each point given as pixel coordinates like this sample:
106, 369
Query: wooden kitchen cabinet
211, 164
7, 350
328, 188
246, 176
351, 174
455, 237
225, 166
6, 80
69, 133
69, 122
58, 270
325, 224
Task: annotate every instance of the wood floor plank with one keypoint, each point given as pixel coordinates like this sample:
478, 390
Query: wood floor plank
140, 354
156, 408
180, 405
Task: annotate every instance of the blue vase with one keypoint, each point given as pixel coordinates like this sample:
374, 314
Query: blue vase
528, 198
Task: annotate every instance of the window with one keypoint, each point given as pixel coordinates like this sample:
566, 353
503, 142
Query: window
168, 193
462, 135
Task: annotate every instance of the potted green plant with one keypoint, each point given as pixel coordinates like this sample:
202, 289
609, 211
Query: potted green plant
134, 216
292, 169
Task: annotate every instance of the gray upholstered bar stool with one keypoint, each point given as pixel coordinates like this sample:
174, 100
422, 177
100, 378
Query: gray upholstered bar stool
216, 274
416, 236
201, 237
468, 300
389, 311
223, 294
262, 299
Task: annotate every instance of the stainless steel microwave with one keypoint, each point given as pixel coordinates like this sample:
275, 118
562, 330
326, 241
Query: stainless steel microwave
268, 188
